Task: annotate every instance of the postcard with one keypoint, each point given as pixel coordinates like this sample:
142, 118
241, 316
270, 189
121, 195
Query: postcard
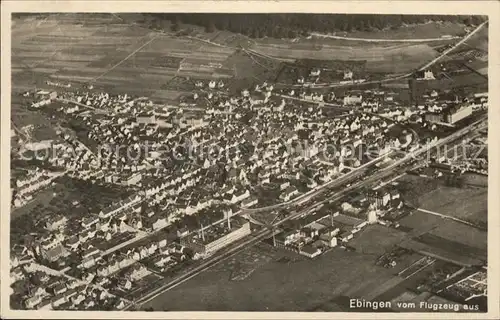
298, 159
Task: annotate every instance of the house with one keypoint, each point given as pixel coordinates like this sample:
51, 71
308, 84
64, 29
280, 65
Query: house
240, 196
286, 238
60, 289
120, 305
32, 302
426, 75
72, 284
77, 299
138, 272
16, 274
55, 222
249, 202
352, 99
394, 194
328, 240
162, 243
284, 185
315, 72
182, 232
88, 222
55, 253
309, 232
125, 284
162, 260
379, 198
160, 223
103, 271
289, 193
309, 251
73, 242
346, 236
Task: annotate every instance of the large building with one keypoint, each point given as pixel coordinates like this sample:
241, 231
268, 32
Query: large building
434, 117
146, 118
451, 114
457, 113
352, 99
425, 75
210, 239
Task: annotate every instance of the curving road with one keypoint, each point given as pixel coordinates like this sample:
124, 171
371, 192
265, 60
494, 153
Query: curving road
427, 65
467, 37
321, 35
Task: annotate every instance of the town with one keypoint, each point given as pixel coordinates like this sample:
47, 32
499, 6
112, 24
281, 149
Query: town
130, 195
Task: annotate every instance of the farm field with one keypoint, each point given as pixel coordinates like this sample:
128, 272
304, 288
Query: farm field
463, 235
110, 53
464, 203
21, 116
467, 203
117, 54
376, 239
479, 41
390, 59
273, 285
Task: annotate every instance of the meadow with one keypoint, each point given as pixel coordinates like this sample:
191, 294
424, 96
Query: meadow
109, 53
464, 203
277, 286
120, 55
412, 31
379, 58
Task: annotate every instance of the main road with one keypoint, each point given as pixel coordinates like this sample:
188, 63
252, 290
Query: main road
427, 65
467, 37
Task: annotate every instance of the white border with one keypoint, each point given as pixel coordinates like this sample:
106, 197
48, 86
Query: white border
490, 8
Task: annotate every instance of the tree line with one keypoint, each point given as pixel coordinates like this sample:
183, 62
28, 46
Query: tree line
291, 25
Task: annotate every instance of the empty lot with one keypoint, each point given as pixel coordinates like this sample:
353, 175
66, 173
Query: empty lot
279, 286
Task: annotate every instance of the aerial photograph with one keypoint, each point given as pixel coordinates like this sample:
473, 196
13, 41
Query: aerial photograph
248, 162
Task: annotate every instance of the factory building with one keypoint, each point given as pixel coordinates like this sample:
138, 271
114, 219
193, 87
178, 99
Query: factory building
210, 239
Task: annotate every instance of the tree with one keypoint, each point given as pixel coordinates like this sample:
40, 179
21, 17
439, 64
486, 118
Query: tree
175, 27
368, 25
210, 27
280, 25
361, 25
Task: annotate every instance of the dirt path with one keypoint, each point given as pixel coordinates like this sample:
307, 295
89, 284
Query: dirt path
321, 35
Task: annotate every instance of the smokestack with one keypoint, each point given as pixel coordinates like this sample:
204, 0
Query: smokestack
228, 222
202, 233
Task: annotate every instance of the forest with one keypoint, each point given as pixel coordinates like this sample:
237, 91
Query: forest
291, 25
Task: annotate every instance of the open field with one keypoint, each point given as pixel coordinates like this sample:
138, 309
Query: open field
479, 41
376, 239
462, 235
117, 54
418, 31
462, 203
446, 250
109, 53
391, 59
467, 203
21, 116
273, 287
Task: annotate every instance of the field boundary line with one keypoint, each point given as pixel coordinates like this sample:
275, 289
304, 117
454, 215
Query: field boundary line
124, 59
322, 35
